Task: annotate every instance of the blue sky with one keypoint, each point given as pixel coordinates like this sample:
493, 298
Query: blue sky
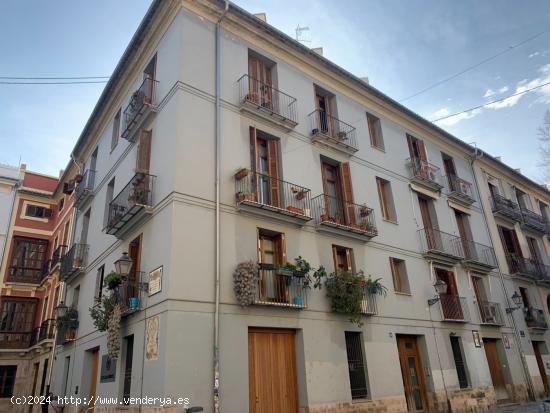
402, 46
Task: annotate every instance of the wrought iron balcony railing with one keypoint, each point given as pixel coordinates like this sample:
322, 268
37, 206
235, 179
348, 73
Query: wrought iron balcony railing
369, 304
131, 294
28, 272
141, 103
46, 331
59, 252
343, 215
477, 253
74, 260
280, 287
332, 130
490, 313
264, 97
67, 333
267, 192
15, 339
434, 241
454, 308
535, 318
46, 269
527, 267
84, 188
533, 220
506, 208
460, 189
425, 173
135, 197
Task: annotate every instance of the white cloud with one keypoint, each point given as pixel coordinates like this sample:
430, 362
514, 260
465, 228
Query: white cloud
489, 93
534, 55
503, 89
441, 113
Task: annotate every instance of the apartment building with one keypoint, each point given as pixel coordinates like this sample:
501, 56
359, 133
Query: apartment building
9, 178
220, 141
39, 228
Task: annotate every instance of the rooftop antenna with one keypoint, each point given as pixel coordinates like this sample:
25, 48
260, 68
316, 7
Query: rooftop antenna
299, 37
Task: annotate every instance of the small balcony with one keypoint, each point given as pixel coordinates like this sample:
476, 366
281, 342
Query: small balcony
332, 132
533, 221
535, 318
262, 99
460, 190
490, 313
425, 174
46, 270
131, 294
280, 287
130, 205
454, 308
84, 188
74, 261
15, 340
66, 332
528, 268
29, 272
441, 246
478, 257
59, 252
505, 209
268, 196
344, 218
45, 332
369, 303
142, 104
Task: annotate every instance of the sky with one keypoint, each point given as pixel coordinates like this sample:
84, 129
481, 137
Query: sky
403, 46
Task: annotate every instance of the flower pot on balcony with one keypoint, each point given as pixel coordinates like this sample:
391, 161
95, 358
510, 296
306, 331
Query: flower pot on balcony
295, 210
133, 303
241, 197
325, 217
364, 212
342, 135
301, 195
298, 300
241, 173
315, 131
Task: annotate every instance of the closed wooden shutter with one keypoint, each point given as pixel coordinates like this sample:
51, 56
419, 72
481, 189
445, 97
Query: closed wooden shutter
410, 145
143, 159
254, 182
382, 198
422, 150
273, 167
347, 190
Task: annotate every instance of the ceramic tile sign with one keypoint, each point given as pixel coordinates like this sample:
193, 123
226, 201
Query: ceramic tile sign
108, 369
155, 281
152, 327
477, 338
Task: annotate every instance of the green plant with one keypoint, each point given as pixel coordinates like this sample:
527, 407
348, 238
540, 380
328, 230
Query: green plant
288, 266
375, 286
345, 290
101, 312
113, 280
69, 321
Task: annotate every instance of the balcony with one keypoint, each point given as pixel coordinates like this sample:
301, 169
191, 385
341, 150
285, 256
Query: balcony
528, 268
66, 332
142, 104
532, 220
534, 318
490, 313
45, 270
478, 257
454, 308
369, 304
264, 100
505, 209
280, 288
30, 272
131, 204
15, 340
84, 188
441, 246
131, 294
59, 252
267, 196
74, 261
425, 175
46, 331
339, 217
460, 190
332, 132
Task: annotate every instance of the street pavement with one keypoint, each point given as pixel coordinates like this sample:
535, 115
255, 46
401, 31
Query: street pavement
521, 408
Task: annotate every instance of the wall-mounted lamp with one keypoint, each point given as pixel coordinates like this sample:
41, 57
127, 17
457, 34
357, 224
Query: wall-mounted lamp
123, 265
516, 299
61, 310
440, 287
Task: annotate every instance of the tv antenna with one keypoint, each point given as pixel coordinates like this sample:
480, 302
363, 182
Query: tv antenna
299, 37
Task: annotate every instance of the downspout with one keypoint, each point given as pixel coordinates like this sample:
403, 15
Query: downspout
216, 390
517, 339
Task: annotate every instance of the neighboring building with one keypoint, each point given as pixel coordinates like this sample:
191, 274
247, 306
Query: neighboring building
337, 173
39, 227
9, 179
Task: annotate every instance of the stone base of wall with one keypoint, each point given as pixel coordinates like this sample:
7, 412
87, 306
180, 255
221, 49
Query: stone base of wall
464, 400
518, 393
386, 405
123, 409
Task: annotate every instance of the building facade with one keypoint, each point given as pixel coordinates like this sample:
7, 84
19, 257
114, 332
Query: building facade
307, 162
9, 178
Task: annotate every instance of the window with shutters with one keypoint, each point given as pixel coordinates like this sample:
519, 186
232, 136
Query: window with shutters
37, 211
99, 283
399, 276
260, 80
108, 199
386, 199
7, 380
116, 130
343, 258
27, 259
375, 132
143, 156
338, 192
264, 150
273, 287
356, 365
460, 363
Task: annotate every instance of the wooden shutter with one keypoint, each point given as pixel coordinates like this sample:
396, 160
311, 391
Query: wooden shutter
143, 159
347, 191
280, 248
335, 257
348, 260
421, 150
410, 145
273, 168
397, 284
516, 243
254, 187
382, 198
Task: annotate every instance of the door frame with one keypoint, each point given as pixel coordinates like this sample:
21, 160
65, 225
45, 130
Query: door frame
407, 387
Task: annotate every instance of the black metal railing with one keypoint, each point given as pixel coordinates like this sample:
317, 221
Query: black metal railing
46, 269
425, 171
266, 191
535, 318
332, 211
143, 98
15, 339
490, 313
67, 333
369, 303
479, 253
85, 187
527, 267
460, 186
505, 207
74, 261
134, 197
280, 287
29, 272
333, 129
131, 293
533, 220
433, 240
46, 331
265, 97
454, 308
58, 253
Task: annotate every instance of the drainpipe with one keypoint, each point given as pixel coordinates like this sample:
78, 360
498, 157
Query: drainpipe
216, 389
478, 155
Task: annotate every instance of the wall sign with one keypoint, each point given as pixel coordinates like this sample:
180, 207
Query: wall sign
506, 341
477, 338
155, 281
108, 369
152, 327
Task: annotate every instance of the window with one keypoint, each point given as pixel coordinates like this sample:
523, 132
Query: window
386, 199
399, 275
343, 258
127, 386
356, 365
66, 233
76, 296
109, 197
459, 362
534, 249
143, 157
266, 167
7, 380
116, 130
338, 197
61, 204
260, 80
17, 314
544, 211
375, 132
66, 370
28, 257
271, 254
99, 283
37, 211
85, 227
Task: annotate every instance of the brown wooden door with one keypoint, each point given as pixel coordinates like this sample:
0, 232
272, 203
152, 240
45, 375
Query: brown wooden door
134, 251
265, 165
332, 188
450, 302
323, 103
479, 290
495, 368
272, 371
462, 224
272, 253
93, 377
429, 232
260, 82
542, 369
413, 373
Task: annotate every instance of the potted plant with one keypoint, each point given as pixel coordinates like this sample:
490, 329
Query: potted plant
241, 196
241, 173
364, 211
286, 269
140, 175
342, 135
299, 193
133, 303
113, 280
295, 210
325, 217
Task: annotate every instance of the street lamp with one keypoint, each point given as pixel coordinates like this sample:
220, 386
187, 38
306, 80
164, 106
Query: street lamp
517, 300
123, 265
61, 310
440, 287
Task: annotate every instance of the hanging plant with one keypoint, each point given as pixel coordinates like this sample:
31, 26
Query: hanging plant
69, 321
101, 312
113, 280
245, 279
113, 333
